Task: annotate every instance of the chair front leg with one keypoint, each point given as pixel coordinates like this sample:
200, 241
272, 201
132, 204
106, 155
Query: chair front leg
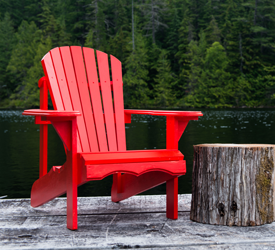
72, 180
174, 129
67, 130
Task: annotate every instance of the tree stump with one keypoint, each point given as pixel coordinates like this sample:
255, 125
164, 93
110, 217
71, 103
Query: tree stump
233, 184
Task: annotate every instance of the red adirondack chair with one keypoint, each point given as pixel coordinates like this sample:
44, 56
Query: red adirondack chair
89, 117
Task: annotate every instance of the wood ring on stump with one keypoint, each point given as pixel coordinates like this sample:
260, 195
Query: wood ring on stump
233, 184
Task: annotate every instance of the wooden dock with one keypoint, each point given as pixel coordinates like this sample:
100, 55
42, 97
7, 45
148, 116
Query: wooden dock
138, 222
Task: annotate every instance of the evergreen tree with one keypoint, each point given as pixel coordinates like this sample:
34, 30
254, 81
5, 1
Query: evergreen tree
7, 41
28, 37
29, 95
72, 17
212, 32
164, 81
172, 37
98, 24
195, 58
213, 88
21, 10
51, 28
121, 38
186, 35
136, 89
153, 11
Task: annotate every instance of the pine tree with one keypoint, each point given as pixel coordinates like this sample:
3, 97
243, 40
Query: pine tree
172, 36
164, 81
98, 24
136, 89
51, 28
7, 41
153, 11
28, 37
195, 57
215, 78
213, 88
121, 38
186, 35
72, 16
213, 33
28, 96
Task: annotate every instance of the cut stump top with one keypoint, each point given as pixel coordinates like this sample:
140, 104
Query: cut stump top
233, 145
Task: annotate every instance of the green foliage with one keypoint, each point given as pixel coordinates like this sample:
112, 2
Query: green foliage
211, 86
203, 53
7, 41
51, 28
164, 96
136, 89
28, 38
213, 33
28, 94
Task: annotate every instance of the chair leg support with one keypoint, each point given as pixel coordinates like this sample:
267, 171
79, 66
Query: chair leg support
172, 198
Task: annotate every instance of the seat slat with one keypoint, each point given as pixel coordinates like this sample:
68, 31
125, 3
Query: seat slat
118, 102
80, 73
76, 104
90, 63
131, 156
104, 75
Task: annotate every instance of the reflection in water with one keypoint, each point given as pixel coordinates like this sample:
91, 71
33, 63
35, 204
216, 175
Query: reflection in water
19, 145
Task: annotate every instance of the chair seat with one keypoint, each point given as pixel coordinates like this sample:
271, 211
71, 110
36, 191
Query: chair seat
131, 156
96, 166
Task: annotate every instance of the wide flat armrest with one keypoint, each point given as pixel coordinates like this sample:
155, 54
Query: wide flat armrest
162, 112
50, 113
190, 115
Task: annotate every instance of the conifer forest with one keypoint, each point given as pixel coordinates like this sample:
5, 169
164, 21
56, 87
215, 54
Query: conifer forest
174, 53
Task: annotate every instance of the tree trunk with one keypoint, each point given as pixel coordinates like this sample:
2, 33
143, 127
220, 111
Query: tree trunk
233, 184
133, 26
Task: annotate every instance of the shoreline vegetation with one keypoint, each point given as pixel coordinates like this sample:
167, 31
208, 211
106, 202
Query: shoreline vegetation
175, 53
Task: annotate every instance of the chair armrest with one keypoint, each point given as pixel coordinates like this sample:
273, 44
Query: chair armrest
190, 115
51, 113
64, 123
176, 122
163, 112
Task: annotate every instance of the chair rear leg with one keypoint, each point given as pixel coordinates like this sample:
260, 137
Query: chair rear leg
172, 198
117, 179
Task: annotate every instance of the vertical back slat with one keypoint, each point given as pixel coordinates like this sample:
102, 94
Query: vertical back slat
76, 104
61, 79
118, 102
53, 88
104, 75
85, 97
90, 63
63, 85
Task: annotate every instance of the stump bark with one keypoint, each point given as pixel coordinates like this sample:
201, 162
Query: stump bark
233, 184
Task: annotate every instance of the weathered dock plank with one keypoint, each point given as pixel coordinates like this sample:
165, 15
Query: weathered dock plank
139, 222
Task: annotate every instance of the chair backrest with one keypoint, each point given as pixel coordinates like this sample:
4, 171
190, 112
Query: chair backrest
74, 85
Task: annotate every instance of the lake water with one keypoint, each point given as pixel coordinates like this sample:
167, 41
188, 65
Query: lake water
19, 145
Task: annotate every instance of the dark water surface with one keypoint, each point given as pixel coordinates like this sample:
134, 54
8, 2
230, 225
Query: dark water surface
19, 145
